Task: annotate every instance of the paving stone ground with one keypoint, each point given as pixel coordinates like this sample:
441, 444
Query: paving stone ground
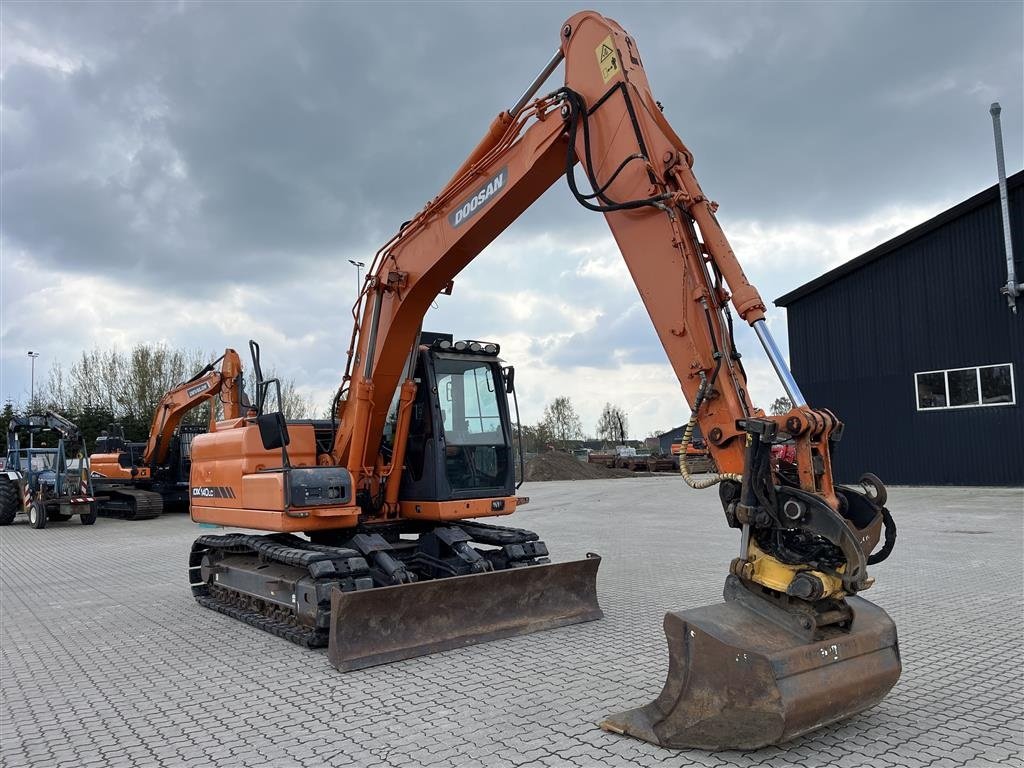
107, 661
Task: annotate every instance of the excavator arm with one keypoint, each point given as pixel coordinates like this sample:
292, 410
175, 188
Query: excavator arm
606, 119
210, 382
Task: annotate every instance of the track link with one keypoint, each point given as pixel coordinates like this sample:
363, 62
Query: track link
223, 601
132, 504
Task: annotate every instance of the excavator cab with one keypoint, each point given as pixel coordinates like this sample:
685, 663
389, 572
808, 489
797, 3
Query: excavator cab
460, 433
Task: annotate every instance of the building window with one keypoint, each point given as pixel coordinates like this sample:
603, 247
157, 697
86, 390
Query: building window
931, 390
965, 387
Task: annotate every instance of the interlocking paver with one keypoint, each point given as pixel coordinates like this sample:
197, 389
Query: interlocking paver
106, 660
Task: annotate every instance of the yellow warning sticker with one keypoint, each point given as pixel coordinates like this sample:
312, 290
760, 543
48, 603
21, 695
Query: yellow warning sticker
608, 59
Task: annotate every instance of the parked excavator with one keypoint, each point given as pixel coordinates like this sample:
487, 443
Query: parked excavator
388, 492
140, 480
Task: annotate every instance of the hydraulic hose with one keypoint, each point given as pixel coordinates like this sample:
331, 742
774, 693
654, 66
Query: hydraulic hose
705, 482
705, 386
890, 539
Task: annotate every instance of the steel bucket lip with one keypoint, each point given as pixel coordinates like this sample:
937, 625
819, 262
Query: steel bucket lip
789, 685
352, 647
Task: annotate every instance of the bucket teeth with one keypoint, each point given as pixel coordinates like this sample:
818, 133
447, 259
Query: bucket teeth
739, 680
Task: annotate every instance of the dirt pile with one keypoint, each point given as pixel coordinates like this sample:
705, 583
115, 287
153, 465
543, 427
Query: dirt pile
555, 465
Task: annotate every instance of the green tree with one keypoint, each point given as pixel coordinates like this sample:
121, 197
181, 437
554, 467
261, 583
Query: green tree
536, 438
104, 387
127, 384
780, 406
613, 426
294, 405
562, 422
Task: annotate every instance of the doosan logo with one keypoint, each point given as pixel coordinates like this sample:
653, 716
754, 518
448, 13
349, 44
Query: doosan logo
480, 199
193, 391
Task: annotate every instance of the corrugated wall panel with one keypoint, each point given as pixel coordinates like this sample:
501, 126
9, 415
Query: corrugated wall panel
856, 343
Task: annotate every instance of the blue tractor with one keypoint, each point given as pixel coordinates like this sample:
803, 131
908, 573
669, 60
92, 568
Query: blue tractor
48, 479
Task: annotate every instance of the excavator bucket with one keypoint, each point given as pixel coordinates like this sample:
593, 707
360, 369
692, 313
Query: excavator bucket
377, 626
742, 678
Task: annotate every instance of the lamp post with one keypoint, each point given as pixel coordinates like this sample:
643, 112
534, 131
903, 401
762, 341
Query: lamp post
359, 272
32, 397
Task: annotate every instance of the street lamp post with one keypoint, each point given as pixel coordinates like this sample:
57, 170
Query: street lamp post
359, 274
32, 396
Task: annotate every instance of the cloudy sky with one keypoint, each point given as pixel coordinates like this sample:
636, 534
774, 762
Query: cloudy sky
201, 173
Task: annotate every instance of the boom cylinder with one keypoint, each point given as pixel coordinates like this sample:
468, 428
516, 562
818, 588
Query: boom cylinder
505, 119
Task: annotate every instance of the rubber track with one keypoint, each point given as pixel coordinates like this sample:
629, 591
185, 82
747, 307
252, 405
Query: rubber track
287, 549
497, 535
148, 505
304, 636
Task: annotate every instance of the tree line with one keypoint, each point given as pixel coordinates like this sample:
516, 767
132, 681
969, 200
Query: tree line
106, 387
561, 426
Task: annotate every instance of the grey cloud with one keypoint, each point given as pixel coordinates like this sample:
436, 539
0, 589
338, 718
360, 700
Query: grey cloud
621, 337
305, 131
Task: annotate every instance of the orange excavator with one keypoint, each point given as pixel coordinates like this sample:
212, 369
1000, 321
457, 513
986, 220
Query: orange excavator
141, 480
389, 492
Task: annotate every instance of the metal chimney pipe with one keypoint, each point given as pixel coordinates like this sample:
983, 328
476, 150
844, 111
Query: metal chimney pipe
1012, 289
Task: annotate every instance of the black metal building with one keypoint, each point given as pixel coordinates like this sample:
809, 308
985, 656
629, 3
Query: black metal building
665, 439
914, 347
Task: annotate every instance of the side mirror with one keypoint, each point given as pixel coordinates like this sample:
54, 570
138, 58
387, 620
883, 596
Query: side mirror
273, 430
510, 380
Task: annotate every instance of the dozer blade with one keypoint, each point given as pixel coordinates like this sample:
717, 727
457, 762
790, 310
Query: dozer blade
377, 626
738, 679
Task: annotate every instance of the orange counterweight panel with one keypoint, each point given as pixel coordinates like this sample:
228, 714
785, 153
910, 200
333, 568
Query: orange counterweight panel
237, 482
108, 465
458, 510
